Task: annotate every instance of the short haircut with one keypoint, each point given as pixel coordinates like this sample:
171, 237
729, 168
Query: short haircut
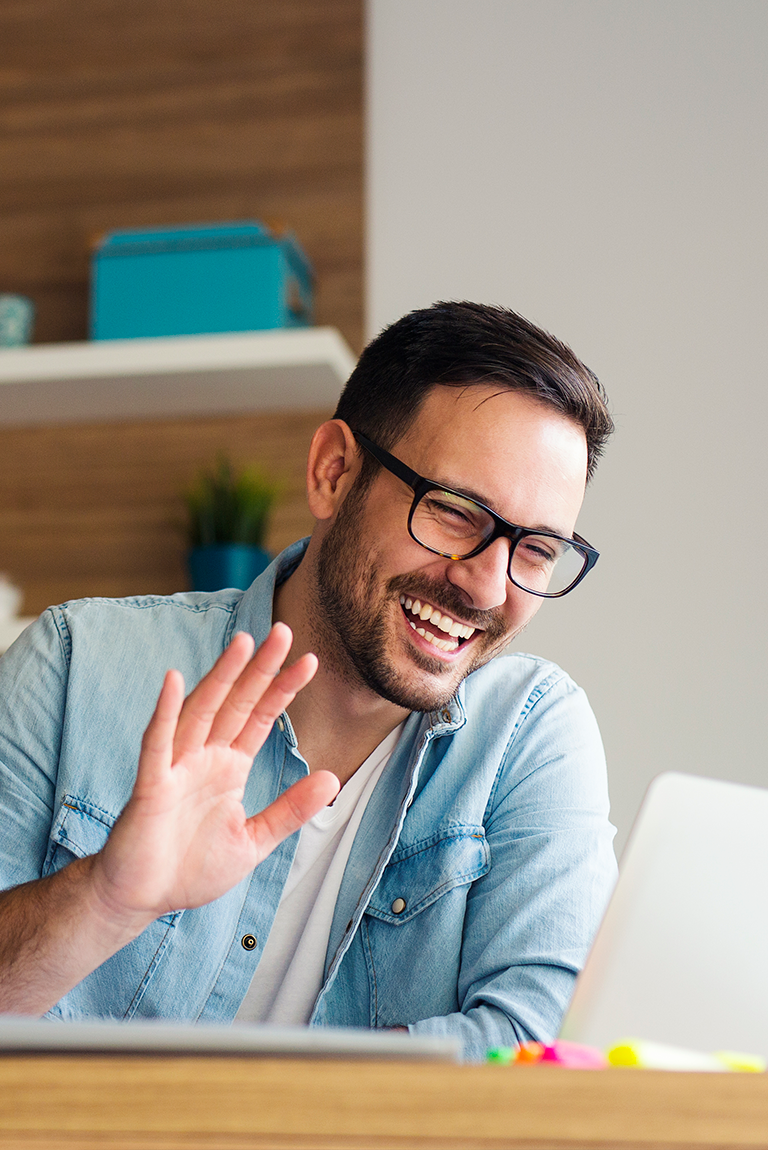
458, 344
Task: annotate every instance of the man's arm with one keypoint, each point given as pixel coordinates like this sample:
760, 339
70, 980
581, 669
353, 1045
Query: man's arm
183, 838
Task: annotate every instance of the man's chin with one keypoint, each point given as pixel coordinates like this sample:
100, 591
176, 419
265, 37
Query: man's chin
422, 683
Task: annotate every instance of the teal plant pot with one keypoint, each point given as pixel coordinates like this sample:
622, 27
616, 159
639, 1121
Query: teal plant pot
220, 565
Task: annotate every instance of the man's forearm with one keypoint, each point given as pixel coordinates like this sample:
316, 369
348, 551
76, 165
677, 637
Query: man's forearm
53, 933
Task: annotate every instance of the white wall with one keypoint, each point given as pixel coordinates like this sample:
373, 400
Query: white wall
601, 166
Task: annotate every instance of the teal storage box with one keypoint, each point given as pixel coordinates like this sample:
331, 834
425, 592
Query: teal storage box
198, 278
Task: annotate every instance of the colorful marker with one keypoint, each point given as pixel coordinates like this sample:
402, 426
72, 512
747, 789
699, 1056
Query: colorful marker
659, 1056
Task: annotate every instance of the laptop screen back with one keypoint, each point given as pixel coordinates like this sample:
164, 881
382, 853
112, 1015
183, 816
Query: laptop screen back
682, 953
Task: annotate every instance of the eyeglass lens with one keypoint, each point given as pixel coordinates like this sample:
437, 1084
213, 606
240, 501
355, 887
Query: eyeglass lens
455, 526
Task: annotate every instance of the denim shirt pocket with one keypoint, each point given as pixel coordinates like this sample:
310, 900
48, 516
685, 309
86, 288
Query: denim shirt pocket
419, 875
413, 925
80, 829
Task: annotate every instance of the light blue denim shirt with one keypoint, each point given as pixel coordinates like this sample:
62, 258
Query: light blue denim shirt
489, 824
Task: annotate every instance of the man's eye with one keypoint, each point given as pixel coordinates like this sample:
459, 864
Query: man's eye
537, 552
451, 511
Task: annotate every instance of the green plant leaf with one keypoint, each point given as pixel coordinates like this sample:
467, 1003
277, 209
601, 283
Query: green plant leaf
229, 507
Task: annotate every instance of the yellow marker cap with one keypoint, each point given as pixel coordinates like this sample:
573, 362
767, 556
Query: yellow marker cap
735, 1061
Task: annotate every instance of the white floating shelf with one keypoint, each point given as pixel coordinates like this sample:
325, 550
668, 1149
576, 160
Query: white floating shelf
303, 368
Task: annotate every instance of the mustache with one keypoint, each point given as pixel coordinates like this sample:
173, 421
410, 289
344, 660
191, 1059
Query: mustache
447, 599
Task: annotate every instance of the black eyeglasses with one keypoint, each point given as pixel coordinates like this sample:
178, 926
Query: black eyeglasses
457, 527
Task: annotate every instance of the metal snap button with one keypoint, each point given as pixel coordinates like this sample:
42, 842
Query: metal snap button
248, 942
398, 906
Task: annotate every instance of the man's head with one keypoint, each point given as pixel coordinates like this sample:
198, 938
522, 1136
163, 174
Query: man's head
467, 343
478, 401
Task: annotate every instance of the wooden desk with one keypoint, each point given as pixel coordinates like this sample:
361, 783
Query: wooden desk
223, 1103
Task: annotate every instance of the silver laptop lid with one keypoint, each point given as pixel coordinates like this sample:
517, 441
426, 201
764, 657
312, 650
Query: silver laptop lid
682, 953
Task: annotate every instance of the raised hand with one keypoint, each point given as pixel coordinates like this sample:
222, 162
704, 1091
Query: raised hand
183, 838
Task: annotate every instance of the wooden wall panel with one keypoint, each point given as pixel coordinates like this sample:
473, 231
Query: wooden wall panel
98, 509
120, 113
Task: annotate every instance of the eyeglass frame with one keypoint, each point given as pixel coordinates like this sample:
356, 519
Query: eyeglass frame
502, 528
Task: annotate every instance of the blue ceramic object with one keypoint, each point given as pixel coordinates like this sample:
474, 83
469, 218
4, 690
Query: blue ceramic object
17, 314
193, 279
220, 565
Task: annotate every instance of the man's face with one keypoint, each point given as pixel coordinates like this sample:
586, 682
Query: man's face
380, 592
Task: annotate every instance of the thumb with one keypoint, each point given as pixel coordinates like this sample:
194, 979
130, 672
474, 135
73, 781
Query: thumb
291, 810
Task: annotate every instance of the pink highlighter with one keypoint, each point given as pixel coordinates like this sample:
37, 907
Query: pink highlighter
560, 1053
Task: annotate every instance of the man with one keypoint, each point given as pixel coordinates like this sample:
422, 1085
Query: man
454, 884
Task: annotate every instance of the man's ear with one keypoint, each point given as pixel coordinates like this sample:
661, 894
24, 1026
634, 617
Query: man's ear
332, 467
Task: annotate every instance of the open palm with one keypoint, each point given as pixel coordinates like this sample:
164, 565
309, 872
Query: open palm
183, 838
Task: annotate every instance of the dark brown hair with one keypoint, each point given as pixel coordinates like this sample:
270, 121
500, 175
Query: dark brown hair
467, 343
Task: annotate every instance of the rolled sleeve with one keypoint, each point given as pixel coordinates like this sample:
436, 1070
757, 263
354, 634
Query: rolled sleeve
33, 689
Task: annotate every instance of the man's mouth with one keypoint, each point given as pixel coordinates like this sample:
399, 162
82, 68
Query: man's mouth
437, 627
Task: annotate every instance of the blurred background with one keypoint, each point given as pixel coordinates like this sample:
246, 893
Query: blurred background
132, 113
599, 165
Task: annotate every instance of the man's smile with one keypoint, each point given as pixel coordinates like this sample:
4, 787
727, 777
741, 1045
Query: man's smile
436, 626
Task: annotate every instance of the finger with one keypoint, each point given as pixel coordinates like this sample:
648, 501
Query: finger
291, 810
276, 699
252, 685
157, 742
203, 703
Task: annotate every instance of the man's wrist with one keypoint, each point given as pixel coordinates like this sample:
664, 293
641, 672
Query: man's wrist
121, 921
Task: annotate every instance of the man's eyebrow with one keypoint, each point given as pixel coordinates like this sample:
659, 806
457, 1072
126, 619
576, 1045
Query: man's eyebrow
477, 497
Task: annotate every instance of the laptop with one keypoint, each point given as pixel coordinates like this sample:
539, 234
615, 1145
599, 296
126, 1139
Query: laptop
682, 954
157, 1036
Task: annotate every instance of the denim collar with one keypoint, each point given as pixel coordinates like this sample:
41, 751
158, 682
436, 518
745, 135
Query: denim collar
254, 611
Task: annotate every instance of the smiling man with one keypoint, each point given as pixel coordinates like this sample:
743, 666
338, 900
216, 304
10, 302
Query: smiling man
454, 854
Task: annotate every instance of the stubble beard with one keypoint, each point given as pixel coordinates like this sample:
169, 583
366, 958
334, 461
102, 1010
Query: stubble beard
353, 628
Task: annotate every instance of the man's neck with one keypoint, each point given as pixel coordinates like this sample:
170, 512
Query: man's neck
338, 721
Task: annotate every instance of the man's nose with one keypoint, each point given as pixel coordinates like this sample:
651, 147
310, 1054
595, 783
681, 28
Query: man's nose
483, 579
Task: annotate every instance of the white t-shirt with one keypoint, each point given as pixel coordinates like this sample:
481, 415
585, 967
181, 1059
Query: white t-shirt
290, 974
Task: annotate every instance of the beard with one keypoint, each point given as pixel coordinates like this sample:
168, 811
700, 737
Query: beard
353, 620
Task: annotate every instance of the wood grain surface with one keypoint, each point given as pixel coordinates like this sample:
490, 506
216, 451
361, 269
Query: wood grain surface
98, 509
311, 1103
130, 113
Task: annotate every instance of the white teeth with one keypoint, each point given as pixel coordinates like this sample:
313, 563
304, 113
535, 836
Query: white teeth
448, 626
443, 644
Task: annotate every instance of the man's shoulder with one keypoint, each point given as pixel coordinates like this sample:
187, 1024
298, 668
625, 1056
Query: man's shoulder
164, 629
522, 692
194, 603
516, 673
157, 625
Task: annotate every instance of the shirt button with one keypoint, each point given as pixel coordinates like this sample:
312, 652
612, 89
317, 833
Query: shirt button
398, 906
447, 716
248, 942
280, 723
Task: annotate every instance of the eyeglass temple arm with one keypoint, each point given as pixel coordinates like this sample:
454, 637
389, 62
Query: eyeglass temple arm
389, 461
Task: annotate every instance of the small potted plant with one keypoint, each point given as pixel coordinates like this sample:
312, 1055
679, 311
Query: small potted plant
228, 516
